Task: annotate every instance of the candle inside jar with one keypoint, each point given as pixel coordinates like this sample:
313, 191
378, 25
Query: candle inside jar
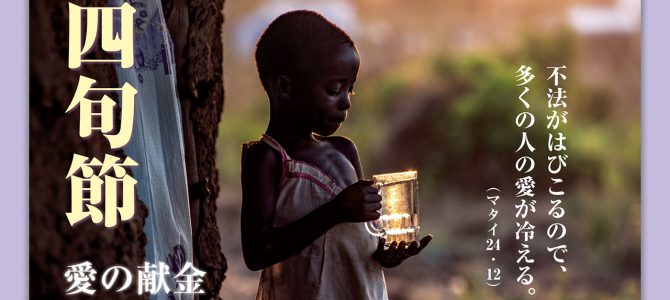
397, 206
399, 228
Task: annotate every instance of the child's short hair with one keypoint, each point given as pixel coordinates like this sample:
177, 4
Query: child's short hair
291, 36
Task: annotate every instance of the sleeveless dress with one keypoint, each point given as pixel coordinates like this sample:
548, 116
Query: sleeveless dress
337, 265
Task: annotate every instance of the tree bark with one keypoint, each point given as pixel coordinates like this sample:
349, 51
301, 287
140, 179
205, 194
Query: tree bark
54, 138
195, 27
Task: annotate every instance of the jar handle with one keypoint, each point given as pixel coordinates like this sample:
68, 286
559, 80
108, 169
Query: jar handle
373, 230
374, 227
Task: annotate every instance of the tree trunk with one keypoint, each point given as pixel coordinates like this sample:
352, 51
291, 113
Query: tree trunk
195, 27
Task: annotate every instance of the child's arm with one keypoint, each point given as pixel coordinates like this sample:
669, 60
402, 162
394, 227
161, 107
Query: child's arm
396, 253
263, 244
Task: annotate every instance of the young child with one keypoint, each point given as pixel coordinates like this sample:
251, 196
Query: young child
304, 199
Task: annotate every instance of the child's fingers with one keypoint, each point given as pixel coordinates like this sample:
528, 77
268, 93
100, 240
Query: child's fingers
401, 250
412, 249
364, 182
424, 242
392, 248
370, 190
367, 186
380, 245
373, 206
372, 215
373, 197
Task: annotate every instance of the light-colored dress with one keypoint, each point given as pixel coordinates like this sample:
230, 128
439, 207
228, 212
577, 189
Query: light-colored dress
157, 144
337, 265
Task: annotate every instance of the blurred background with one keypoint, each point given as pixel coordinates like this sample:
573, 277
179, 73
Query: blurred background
436, 92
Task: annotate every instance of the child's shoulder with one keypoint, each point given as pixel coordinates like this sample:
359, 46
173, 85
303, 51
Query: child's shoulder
344, 145
341, 143
259, 153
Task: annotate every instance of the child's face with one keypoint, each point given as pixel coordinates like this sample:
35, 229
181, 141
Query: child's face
323, 92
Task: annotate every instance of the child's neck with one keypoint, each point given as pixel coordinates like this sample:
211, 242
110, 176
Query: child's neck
290, 135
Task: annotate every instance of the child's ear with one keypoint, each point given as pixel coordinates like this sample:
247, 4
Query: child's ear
282, 86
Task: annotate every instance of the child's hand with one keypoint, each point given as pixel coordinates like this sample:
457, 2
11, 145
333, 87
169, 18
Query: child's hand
397, 253
359, 202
